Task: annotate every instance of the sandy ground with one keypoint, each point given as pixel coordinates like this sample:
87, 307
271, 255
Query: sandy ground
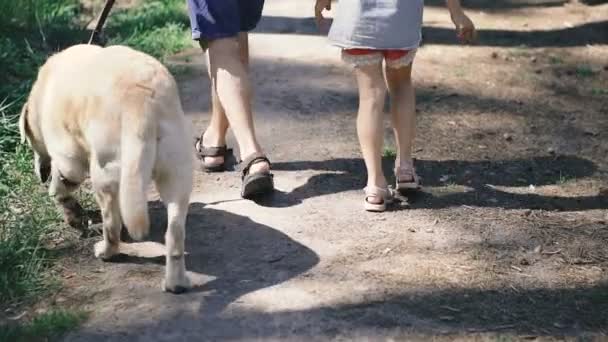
508, 238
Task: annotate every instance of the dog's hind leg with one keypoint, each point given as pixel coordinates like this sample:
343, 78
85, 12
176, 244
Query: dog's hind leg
173, 180
105, 185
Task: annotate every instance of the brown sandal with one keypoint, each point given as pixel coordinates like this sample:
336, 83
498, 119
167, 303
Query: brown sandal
259, 183
215, 151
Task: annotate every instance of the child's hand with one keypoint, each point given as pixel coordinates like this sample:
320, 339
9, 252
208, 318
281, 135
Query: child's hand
322, 22
465, 29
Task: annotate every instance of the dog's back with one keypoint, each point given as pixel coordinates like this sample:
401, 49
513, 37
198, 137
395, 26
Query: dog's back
115, 113
114, 107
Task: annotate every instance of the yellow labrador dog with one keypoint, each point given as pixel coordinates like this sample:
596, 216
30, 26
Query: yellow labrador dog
113, 114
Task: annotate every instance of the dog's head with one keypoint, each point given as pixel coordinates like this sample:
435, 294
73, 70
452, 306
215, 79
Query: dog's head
42, 162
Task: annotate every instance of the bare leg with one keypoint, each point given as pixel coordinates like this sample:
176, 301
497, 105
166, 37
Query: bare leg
231, 82
370, 127
403, 110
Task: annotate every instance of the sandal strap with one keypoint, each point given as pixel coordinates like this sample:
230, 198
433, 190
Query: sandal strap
406, 171
254, 158
211, 151
374, 191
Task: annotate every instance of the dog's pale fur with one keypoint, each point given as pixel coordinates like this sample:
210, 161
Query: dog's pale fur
114, 114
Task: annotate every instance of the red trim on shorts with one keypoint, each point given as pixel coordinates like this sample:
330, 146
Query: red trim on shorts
388, 54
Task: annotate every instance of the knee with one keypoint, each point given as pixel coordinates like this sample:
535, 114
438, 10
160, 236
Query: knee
224, 49
373, 99
398, 79
174, 240
405, 80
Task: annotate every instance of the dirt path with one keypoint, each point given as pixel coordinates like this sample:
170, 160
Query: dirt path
508, 237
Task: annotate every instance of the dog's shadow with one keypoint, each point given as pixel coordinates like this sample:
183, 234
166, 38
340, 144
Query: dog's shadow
236, 253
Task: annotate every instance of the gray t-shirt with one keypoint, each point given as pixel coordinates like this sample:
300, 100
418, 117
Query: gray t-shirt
378, 24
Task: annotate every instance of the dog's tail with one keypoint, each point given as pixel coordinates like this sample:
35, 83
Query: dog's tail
138, 156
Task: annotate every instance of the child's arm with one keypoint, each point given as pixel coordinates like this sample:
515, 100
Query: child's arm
319, 7
464, 26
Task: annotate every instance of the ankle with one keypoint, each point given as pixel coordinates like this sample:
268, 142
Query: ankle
249, 149
404, 163
377, 183
213, 139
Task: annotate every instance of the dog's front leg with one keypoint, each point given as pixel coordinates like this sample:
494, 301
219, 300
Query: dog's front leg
105, 184
112, 224
61, 189
73, 214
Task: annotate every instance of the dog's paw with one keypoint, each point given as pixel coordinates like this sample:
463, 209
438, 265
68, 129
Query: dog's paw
176, 287
105, 251
73, 214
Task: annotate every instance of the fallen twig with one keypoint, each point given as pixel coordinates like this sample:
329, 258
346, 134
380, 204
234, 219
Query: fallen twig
516, 268
551, 252
451, 308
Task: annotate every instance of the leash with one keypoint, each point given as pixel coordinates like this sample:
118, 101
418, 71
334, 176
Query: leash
101, 20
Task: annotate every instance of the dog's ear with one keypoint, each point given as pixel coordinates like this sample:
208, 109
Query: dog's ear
42, 163
24, 129
42, 167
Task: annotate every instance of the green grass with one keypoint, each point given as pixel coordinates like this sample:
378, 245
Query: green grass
31, 30
180, 70
520, 52
158, 28
564, 178
45, 327
584, 71
389, 153
555, 60
27, 216
460, 72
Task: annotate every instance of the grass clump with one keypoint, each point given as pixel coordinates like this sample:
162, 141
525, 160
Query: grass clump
158, 28
389, 152
584, 71
49, 326
30, 31
27, 215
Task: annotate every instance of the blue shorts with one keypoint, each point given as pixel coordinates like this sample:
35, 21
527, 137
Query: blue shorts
213, 19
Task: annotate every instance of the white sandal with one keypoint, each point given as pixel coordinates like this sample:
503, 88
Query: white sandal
373, 191
406, 178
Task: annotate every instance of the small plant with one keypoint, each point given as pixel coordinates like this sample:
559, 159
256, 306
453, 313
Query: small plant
555, 60
476, 254
179, 70
451, 185
389, 152
564, 178
584, 71
520, 52
460, 72
504, 338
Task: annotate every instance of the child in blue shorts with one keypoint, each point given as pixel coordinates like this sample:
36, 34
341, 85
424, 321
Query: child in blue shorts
221, 28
